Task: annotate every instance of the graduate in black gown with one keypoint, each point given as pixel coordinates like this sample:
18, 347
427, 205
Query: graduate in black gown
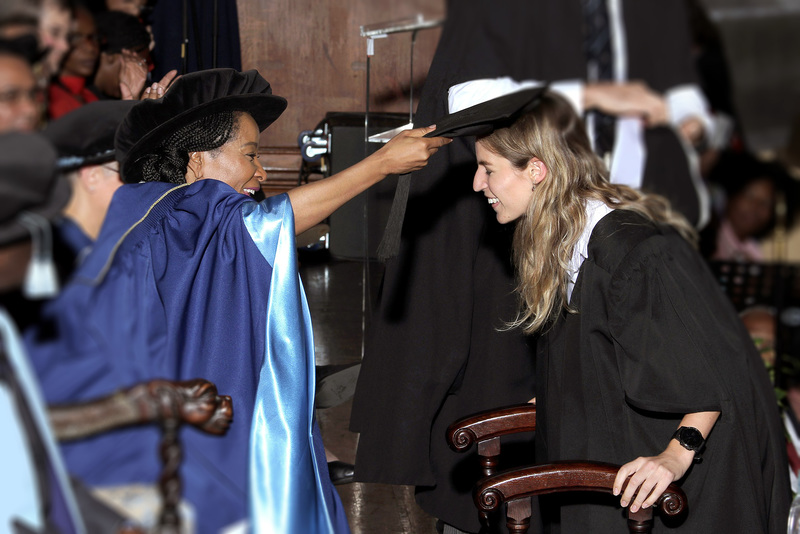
642, 360
433, 352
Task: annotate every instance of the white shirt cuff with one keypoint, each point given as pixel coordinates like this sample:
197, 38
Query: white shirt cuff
685, 101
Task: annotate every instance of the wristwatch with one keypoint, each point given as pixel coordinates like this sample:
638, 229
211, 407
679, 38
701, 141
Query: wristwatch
690, 439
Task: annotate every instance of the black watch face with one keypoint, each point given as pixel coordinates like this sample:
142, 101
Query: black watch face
692, 438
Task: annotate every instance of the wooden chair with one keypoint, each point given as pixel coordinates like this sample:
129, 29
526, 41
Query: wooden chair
163, 402
516, 487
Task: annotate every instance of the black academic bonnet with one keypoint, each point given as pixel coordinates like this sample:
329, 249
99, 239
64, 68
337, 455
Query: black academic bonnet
484, 118
28, 182
191, 97
85, 136
478, 120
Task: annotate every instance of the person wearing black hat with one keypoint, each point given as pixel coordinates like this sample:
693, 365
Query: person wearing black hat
191, 277
36, 492
84, 139
642, 360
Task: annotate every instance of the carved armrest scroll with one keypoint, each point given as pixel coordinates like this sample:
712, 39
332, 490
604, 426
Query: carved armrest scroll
492, 492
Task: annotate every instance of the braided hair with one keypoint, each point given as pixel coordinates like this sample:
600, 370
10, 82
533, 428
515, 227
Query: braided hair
169, 161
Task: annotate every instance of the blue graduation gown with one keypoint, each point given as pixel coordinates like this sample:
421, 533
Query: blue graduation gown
198, 281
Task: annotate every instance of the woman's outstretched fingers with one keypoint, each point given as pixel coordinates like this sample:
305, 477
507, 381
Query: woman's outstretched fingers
409, 151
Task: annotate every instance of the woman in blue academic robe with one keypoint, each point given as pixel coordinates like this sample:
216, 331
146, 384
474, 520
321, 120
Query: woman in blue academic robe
192, 278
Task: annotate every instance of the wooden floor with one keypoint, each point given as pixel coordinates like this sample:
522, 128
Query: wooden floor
336, 299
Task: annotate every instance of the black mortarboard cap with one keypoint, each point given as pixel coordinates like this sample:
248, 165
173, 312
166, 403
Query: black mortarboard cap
85, 136
28, 182
484, 118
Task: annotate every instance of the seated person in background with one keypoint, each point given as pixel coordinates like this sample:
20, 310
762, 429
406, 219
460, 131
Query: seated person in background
55, 22
47, 22
36, 495
84, 139
19, 23
124, 56
20, 103
191, 277
751, 190
760, 323
69, 90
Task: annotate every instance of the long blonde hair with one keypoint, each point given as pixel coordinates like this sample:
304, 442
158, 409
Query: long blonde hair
547, 232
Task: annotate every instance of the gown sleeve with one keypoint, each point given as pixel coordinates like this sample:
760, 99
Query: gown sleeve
677, 340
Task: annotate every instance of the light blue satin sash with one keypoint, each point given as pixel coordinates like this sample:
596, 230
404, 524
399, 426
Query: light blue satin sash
286, 490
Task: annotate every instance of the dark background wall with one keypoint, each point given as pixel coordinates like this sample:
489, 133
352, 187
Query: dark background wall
762, 40
312, 53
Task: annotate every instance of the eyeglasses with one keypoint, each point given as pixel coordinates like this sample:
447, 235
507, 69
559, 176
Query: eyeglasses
14, 96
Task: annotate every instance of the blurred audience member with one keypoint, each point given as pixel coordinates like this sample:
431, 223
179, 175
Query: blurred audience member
20, 102
760, 323
124, 56
54, 27
69, 90
19, 18
35, 496
750, 194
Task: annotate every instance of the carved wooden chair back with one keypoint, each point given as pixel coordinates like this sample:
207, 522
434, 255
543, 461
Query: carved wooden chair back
516, 487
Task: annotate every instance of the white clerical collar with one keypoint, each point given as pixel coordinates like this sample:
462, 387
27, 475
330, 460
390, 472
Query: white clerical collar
595, 210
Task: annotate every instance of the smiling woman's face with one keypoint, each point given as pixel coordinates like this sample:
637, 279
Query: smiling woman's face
236, 162
507, 189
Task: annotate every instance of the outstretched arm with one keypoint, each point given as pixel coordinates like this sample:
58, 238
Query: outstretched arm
650, 476
636, 99
408, 151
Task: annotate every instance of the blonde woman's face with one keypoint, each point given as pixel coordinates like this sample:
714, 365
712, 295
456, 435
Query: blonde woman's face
508, 190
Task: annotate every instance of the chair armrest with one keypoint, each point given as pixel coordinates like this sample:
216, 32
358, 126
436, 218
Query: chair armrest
491, 424
194, 402
490, 493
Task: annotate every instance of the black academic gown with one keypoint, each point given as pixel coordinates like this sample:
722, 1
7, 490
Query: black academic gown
433, 352
654, 338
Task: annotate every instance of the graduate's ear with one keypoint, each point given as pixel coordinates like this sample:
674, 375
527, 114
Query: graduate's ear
194, 169
89, 176
537, 170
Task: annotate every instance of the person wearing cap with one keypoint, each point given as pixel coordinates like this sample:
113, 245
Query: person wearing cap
35, 493
84, 139
641, 360
191, 277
